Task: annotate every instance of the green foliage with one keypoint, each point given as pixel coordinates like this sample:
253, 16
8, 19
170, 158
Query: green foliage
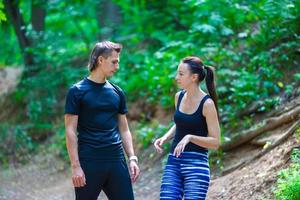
15, 143
251, 44
56, 57
58, 142
43, 95
288, 184
2, 15
147, 133
297, 134
10, 55
297, 76
216, 159
60, 54
296, 155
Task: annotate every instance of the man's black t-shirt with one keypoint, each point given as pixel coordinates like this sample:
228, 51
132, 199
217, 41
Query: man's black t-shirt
97, 106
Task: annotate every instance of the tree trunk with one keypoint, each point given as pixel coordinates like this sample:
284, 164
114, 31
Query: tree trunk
38, 15
14, 15
288, 133
266, 125
109, 17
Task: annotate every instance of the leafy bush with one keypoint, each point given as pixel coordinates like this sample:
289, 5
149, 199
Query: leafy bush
249, 43
288, 184
15, 144
147, 133
57, 144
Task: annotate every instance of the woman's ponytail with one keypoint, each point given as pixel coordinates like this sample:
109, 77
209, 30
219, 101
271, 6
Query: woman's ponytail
210, 85
197, 67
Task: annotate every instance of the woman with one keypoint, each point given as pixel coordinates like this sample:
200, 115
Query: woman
195, 131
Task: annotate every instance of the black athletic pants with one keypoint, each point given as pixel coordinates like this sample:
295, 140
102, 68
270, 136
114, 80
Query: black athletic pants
110, 176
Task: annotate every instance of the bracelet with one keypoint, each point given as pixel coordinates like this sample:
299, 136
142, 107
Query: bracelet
131, 158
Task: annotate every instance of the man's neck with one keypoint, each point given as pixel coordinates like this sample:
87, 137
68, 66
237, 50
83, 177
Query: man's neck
97, 77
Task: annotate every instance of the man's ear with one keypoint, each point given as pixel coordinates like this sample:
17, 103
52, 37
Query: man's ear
100, 59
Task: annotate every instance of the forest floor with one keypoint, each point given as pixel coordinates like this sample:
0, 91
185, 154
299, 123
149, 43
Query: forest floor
48, 178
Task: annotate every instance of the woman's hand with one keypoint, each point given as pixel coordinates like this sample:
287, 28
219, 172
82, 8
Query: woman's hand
181, 145
158, 144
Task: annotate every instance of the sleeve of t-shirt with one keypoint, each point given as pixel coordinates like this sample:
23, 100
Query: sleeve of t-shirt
72, 102
122, 106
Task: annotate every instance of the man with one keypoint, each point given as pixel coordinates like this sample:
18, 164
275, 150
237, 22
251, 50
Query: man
96, 108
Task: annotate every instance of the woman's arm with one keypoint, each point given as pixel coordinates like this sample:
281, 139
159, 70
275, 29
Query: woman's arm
160, 141
212, 121
169, 135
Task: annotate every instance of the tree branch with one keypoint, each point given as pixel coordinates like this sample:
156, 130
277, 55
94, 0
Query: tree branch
288, 133
266, 125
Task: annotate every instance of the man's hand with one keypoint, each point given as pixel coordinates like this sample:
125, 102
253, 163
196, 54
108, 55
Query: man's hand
181, 145
134, 170
78, 177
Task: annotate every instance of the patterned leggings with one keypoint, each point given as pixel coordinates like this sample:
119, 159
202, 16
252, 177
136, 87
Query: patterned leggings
186, 176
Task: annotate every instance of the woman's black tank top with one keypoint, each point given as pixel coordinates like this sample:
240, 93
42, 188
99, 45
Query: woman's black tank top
194, 124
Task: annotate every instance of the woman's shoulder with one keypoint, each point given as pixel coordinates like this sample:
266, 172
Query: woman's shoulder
177, 96
208, 102
208, 105
180, 92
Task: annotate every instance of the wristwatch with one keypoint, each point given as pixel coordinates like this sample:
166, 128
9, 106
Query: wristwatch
134, 158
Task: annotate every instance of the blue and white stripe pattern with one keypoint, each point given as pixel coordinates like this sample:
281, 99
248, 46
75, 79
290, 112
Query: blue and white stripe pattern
187, 176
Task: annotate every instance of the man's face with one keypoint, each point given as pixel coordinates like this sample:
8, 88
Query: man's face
110, 64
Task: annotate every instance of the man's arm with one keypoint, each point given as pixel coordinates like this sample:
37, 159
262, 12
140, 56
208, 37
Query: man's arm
71, 122
128, 146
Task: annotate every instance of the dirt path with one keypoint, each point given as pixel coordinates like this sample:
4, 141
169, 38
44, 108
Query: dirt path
48, 179
39, 179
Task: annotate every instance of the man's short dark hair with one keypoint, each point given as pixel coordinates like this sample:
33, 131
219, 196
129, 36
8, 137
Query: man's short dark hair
104, 49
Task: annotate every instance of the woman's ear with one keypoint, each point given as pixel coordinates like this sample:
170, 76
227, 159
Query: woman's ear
195, 77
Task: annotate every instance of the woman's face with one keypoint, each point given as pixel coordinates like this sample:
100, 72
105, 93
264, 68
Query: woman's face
184, 77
